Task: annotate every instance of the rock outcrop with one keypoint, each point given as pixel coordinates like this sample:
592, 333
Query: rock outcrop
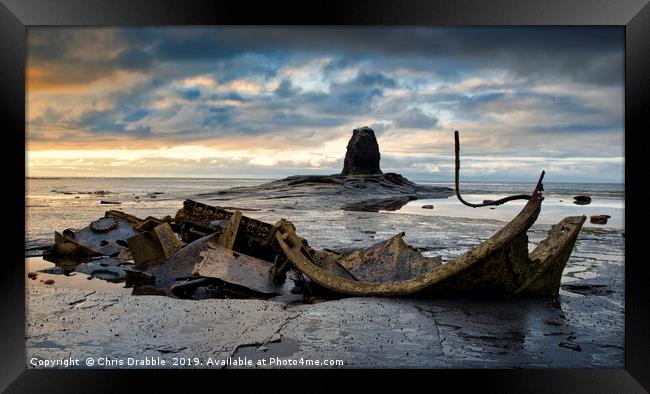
582, 200
362, 156
599, 219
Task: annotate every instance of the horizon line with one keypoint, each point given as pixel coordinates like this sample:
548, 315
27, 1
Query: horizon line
278, 178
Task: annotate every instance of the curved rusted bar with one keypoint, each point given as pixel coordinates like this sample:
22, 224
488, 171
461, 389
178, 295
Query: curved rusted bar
457, 182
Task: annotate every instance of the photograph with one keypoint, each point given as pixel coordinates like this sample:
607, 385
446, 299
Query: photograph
325, 197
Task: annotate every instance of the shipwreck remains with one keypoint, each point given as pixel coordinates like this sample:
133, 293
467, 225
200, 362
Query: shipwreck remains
244, 257
206, 251
501, 265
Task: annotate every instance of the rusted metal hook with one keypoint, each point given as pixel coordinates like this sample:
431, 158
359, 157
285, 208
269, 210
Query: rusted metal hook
485, 204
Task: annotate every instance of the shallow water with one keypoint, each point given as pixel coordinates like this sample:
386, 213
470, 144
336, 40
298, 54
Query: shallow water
60, 203
72, 280
554, 208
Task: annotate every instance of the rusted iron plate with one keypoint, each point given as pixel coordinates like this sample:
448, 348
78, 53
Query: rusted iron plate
229, 234
196, 218
105, 268
106, 243
178, 266
240, 269
168, 240
329, 261
499, 272
148, 224
65, 245
152, 246
550, 257
134, 220
388, 261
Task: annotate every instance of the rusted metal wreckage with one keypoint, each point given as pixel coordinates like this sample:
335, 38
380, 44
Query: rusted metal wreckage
231, 255
226, 254
500, 265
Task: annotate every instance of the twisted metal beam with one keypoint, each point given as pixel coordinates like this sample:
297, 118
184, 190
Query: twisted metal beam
485, 204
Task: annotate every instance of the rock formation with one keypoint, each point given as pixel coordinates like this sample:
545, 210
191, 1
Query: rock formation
362, 156
361, 186
582, 200
599, 219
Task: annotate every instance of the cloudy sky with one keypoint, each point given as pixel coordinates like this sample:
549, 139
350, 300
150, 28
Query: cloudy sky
270, 102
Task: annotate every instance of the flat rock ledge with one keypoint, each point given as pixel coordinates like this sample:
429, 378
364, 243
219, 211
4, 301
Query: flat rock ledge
362, 332
333, 192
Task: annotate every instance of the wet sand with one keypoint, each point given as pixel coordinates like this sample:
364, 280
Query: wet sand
363, 332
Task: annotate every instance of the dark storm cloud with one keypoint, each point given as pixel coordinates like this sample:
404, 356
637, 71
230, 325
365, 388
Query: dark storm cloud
528, 51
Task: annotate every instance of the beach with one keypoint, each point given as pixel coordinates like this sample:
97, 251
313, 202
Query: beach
583, 327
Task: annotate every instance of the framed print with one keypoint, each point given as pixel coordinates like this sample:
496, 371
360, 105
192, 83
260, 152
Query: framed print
447, 187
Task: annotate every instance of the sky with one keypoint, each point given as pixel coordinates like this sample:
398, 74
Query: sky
268, 102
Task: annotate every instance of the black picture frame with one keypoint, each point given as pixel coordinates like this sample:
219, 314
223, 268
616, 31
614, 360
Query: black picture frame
17, 15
